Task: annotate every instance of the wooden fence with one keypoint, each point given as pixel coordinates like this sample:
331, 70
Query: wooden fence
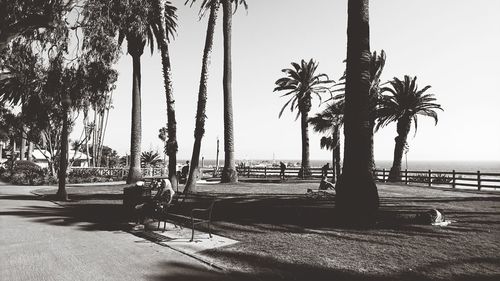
469, 179
437, 178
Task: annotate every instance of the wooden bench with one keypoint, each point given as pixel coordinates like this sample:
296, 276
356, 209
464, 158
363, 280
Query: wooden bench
196, 215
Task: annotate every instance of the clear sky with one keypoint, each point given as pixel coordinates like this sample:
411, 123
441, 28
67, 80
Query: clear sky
453, 45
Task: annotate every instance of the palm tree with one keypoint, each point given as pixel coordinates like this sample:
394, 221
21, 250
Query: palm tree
356, 193
229, 173
302, 83
330, 121
137, 22
150, 159
199, 130
377, 63
403, 105
171, 145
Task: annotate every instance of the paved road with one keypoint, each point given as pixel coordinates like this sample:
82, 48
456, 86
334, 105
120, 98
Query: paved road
37, 243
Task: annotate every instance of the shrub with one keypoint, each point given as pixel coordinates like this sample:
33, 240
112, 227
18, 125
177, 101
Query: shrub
26, 173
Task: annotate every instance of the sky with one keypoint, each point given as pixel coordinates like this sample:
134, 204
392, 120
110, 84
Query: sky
452, 45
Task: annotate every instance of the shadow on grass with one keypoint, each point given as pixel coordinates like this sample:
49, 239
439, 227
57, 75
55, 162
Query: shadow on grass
269, 268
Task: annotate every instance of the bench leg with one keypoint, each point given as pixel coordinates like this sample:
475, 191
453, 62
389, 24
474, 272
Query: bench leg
164, 225
209, 232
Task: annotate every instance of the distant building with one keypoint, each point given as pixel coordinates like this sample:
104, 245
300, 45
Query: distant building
80, 158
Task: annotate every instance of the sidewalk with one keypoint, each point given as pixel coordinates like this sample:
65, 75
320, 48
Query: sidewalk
36, 243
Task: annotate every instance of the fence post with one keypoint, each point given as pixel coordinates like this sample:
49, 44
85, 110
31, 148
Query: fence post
430, 177
383, 175
453, 179
406, 176
265, 172
478, 180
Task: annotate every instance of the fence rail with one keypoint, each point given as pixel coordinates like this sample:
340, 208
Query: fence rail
454, 178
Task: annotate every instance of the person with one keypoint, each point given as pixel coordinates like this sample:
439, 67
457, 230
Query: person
325, 184
324, 170
282, 170
164, 196
185, 171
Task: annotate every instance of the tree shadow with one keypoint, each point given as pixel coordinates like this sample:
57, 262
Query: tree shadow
270, 268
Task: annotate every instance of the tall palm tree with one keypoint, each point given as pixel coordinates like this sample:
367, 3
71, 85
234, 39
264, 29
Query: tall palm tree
356, 193
171, 146
229, 173
199, 131
137, 22
377, 63
301, 83
403, 105
330, 121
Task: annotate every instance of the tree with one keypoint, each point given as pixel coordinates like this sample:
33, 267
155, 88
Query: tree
330, 121
377, 63
302, 83
137, 22
199, 131
164, 23
26, 17
403, 105
150, 159
356, 197
229, 173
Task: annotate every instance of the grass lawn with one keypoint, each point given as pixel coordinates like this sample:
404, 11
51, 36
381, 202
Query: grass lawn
285, 235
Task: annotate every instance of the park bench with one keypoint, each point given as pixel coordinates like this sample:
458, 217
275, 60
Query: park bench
196, 216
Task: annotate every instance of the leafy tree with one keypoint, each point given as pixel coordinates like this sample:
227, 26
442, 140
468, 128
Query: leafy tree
403, 105
21, 17
329, 122
301, 83
199, 131
229, 173
356, 193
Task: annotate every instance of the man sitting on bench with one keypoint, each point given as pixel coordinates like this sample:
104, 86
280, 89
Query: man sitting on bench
165, 194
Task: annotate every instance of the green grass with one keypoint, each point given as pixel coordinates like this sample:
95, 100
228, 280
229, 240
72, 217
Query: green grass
286, 236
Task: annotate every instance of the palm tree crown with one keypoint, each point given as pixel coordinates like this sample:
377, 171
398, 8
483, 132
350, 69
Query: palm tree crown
301, 83
406, 101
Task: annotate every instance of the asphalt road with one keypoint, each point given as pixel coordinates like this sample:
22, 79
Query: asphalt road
37, 243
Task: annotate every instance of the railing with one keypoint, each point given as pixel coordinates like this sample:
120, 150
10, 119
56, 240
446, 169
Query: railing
117, 172
275, 172
469, 179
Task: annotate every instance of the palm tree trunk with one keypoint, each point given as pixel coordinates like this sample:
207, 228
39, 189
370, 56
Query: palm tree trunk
229, 173
305, 169
357, 197
135, 49
171, 143
63, 156
403, 128
199, 130
372, 156
30, 152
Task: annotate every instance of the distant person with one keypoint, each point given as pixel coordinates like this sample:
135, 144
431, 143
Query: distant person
282, 170
324, 170
185, 171
325, 184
